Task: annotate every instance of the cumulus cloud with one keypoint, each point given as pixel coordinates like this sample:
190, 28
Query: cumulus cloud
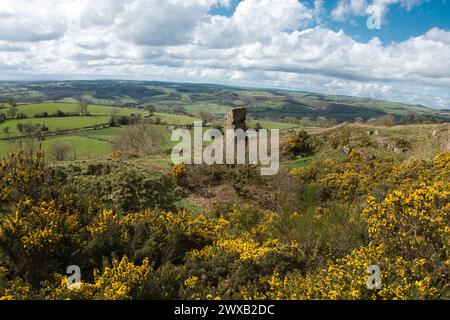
275, 43
348, 8
31, 20
253, 20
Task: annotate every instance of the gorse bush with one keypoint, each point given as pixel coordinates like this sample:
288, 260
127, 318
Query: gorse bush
127, 188
351, 215
409, 233
298, 144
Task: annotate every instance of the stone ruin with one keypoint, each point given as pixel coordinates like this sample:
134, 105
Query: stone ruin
236, 119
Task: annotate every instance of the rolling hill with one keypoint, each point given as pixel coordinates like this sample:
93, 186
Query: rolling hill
191, 99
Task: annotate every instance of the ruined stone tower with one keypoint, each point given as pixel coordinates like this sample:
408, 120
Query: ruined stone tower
235, 119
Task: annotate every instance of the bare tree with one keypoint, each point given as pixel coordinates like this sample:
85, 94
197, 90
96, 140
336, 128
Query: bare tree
322, 121
150, 109
6, 131
387, 120
140, 140
206, 117
12, 102
60, 151
12, 112
33, 133
83, 108
114, 114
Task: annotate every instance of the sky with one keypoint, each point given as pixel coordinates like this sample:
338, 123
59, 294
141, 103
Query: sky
395, 50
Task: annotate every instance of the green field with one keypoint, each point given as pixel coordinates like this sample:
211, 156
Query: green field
195, 98
83, 148
267, 124
92, 144
54, 124
105, 135
213, 108
30, 110
175, 119
87, 144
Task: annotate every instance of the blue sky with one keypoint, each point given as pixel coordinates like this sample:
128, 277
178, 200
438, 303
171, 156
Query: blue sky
400, 24
309, 45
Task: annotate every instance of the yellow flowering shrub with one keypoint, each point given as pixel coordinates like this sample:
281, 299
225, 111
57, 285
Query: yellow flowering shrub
319, 250
230, 268
123, 280
179, 170
22, 176
297, 144
410, 241
36, 235
16, 289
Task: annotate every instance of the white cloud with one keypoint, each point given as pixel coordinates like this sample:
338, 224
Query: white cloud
348, 8
345, 8
265, 42
31, 20
254, 20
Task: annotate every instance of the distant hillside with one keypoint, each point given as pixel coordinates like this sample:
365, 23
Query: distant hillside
194, 98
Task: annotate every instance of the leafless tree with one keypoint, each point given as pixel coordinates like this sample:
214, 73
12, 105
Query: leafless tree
83, 108
140, 140
206, 117
150, 109
60, 151
6, 131
12, 102
387, 120
12, 112
114, 114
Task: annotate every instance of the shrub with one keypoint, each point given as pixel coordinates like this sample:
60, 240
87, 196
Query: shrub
60, 151
130, 189
140, 140
298, 144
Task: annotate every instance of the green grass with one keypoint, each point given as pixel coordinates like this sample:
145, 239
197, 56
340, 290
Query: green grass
175, 119
7, 147
54, 124
108, 135
96, 110
213, 108
84, 148
298, 163
267, 124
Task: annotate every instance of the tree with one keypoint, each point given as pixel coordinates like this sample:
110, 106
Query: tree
31, 129
12, 112
6, 131
151, 110
83, 108
386, 120
114, 114
140, 140
33, 132
12, 102
322, 121
206, 117
306, 122
258, 126
60, 151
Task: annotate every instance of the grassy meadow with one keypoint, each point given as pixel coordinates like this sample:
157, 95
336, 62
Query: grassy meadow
87, 135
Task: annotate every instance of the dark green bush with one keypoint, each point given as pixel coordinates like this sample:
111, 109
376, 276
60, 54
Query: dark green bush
128, 188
